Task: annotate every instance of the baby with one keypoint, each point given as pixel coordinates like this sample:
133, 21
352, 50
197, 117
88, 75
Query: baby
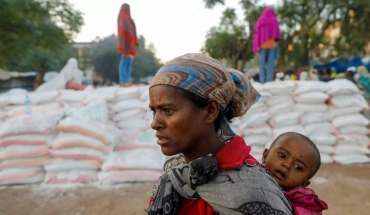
292, 160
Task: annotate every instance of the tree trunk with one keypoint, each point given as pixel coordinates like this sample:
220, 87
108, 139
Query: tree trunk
39, 79
304, 58
242, 65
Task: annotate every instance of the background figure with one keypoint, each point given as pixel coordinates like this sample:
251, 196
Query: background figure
313, 73
127, 44
349, 74
325, 75
303, 76
266, 35
364, 81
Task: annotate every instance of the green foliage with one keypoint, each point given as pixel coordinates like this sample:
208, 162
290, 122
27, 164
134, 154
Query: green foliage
105, 58
231, 41
306, 27
211, 3
146, 63
36, 34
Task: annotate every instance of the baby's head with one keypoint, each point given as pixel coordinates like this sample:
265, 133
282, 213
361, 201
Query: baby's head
293, 159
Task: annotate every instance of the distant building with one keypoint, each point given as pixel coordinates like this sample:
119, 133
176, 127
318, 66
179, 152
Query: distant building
10, 80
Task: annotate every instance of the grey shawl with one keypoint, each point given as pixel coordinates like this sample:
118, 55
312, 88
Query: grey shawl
246, 190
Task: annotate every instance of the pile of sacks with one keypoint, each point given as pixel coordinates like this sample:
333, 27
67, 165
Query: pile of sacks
103, 135
137, 158
24, 146
78, 151
127, 108
346, 103
328, 113
253, 126
98, 136
281, 106
130, 109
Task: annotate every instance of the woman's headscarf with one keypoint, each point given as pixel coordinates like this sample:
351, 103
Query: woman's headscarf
127, 38
361, 70
209, 79
267, 28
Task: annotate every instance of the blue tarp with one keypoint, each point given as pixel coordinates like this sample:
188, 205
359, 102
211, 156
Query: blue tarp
341, 65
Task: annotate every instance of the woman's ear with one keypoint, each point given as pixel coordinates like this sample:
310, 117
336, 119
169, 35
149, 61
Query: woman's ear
212, 110
264, 155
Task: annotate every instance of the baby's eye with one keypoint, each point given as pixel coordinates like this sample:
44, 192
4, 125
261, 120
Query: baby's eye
168, 111
281, 155
299, 168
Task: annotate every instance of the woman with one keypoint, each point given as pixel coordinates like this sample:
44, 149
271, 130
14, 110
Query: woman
266, 35
364, 81
193, 98
127, 44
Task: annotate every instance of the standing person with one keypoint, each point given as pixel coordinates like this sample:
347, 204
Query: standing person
364, 81
127, 44
313, 74
266, 35
210, 171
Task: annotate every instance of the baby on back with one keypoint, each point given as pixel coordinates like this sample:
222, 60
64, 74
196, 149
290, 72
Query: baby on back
292, 160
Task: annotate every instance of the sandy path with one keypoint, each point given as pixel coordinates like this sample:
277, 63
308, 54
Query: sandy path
345, 188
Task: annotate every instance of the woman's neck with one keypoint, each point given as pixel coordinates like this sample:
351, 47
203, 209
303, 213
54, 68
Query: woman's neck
215, 145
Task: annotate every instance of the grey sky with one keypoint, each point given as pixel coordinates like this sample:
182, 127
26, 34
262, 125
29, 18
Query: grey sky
175, 27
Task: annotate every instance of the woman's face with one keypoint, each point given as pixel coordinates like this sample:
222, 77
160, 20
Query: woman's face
180, 125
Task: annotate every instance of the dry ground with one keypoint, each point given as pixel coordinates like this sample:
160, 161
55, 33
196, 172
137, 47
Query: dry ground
345, 188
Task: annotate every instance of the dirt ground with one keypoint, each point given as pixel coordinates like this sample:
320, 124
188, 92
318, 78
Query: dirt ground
346, 189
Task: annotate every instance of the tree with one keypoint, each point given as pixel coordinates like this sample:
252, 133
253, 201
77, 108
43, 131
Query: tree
36, 34
230, 40
105, 59
307, 27
146, 63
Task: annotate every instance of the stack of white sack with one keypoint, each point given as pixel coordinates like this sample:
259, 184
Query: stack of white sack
129, 110
96, 110
78, 151
24, 145
3, 103
132, 165
12, 100
148, 114
253, 126
137, 158
39, 103
12, 105
281, 107
346, 103
311, 98
109, 94
72, 100
145, 139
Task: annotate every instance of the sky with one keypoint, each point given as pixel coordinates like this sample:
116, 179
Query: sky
175, 27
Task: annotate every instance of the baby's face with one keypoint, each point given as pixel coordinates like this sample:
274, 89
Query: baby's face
291, 161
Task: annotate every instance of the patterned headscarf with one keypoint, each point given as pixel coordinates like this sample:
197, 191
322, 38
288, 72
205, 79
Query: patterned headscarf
209, 79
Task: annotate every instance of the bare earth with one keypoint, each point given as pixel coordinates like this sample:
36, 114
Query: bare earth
346, 189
